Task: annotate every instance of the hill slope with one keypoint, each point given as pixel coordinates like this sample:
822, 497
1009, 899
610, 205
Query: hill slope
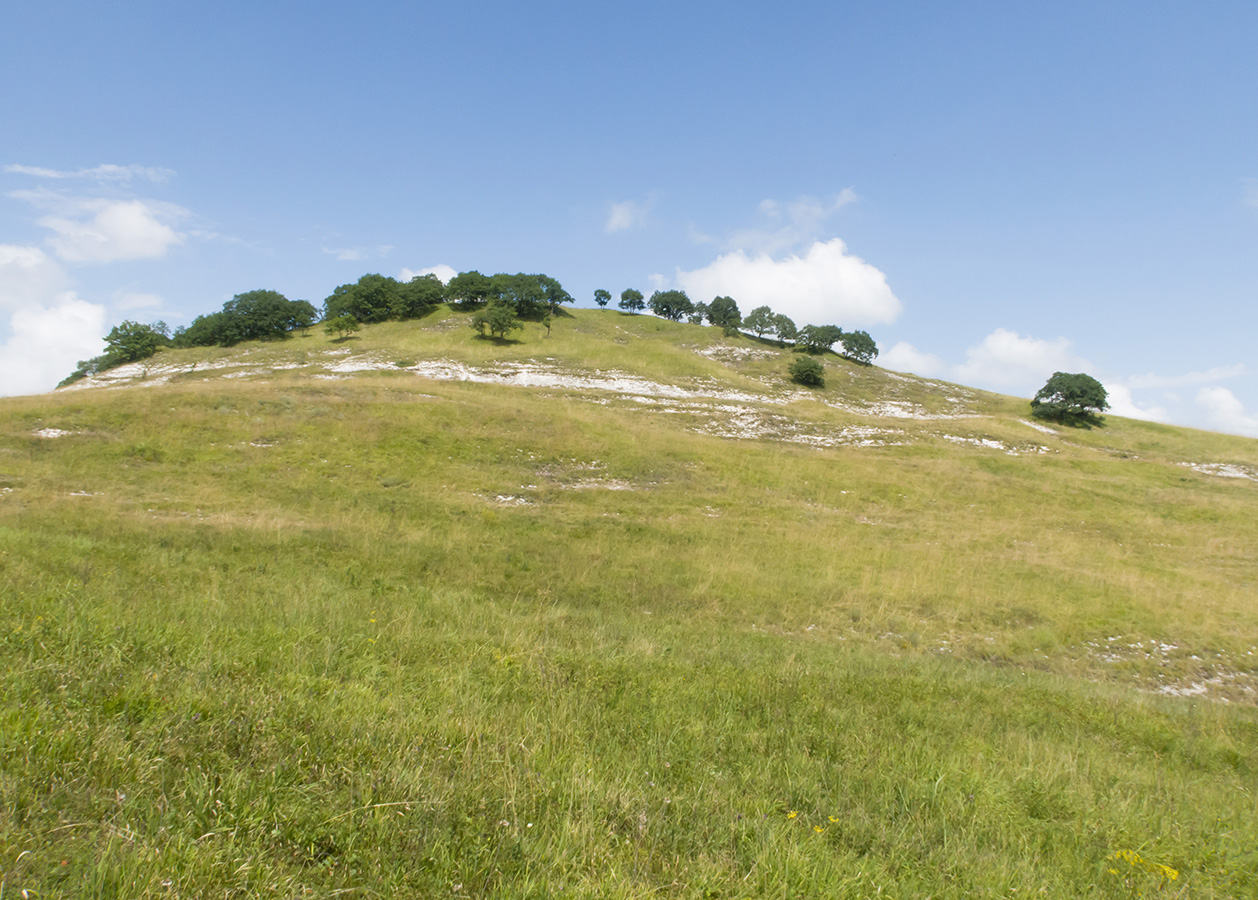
614, 612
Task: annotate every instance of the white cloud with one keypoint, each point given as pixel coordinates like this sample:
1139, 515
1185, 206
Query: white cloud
1218, 373
1006, 361
105, 172
826, 285
904, 357
357, 254
628, 214
442, 271
789, 225
45, 343
27, 275
1225, 412
111, 230
1121, 403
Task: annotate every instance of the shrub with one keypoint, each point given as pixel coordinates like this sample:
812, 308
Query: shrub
807, 371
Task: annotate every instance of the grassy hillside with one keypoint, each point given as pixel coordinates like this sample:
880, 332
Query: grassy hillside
616, 612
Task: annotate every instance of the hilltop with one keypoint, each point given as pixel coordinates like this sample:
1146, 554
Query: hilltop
616, 610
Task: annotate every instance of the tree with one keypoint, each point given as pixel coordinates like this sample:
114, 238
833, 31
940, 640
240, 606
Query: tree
263, 316
467, 289
372, 298
602, 297
418, 296
723, 311
859, 346
784, 327
1071, 399
303, 314
671, 305
698, 314
631, 300
498, 318
342, 326
807, 371
553, 293
817, 338
131, 341
759, 320
127, 342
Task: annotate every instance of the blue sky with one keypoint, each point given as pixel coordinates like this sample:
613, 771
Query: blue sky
994, 191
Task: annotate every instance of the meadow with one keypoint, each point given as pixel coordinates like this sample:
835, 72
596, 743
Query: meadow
319, 632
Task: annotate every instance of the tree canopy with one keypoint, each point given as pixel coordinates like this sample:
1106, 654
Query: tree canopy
253, 316
784, 328
497, 319
817, 338
602, 297
859, 346
631, 299
760, 321
723, 311
671, 305
1072, 399
467, 289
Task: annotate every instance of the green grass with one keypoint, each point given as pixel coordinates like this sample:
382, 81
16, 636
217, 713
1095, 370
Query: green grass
385, 636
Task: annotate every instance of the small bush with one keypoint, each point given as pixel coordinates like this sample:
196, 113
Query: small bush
807, 371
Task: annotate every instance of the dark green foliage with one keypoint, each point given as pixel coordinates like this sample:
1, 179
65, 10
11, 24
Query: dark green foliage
602, 297
252, 316
723, 311
698, 314
859, 346
131, 341
418, 297
467, 289
554, 293
127, 342
760, 321
530, 296
1076, 399
807, 371
784, 328
671, 305
631, 299
817, 338
370, 299
342, 326
498, 318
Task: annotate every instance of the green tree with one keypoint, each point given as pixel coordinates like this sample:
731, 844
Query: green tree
784, 328
342, 326
759, 320
126, 342
859, 346
631, 300
817, 338
498, 318
131, 341
417, 297
723, 311
1076, 399
602, 297
671, 305
554, 294
698, 314
370, 299
262, 316
807, 371
467, 289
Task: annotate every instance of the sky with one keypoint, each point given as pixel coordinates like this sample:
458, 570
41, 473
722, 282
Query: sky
994, 191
